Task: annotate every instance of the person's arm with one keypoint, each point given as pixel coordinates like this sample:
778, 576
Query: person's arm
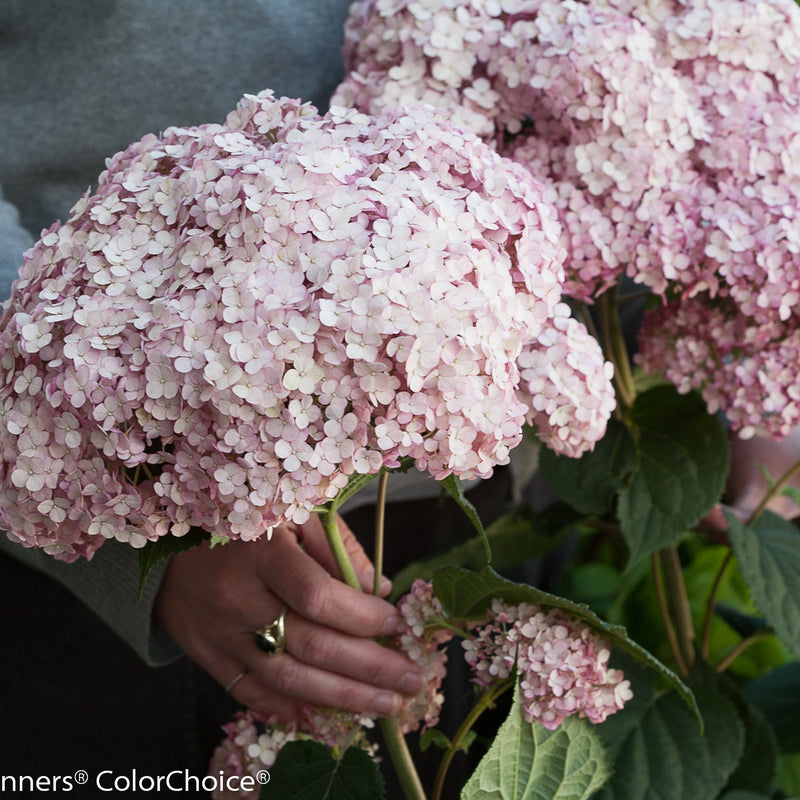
109, 583
14, 240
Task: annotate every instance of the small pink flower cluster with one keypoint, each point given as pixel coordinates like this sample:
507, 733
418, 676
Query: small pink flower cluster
423, 640
244, 315
667, 132
252, 743
562, 665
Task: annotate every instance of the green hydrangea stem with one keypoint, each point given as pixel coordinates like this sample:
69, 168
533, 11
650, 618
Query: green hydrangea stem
615, 349
380, 514
397, 748
394, 741
486, 701
330, 522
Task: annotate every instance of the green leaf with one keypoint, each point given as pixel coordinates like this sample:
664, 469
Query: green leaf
682, 463
777, 696
789, 775
466, 596
739, 795
744, 624
757, 769
433, 736
656, 748
306, 770
455, 488
164, 547
735, 615
528, 762
514, 538
591, 483
768, 551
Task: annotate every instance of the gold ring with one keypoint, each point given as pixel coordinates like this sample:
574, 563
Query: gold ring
271, 638
235, 681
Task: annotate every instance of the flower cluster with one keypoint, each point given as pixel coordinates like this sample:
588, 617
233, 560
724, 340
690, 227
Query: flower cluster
562, 665
244, 315
749, 370
666, 131
422, 640
252, 743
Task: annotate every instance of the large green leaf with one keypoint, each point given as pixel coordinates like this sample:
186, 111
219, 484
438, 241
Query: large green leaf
768, 552
466, 596
528, 762
591, 483
757, 770
682, 463
306, 770
657, 750
777, 695
514, 538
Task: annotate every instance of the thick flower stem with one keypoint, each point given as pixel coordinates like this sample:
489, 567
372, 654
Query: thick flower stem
330, 522
404, 768
678, 603
663, 607
615, 349
394, 740
380, 515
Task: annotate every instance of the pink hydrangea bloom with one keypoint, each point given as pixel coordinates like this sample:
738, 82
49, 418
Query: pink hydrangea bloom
252, 743
244, 315
666, 132
749, 370
423, 642
562, 665
339, 729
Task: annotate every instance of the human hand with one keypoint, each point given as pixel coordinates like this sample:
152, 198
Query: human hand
212, 601
747, 485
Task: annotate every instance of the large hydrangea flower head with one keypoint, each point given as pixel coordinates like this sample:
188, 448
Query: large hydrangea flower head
244, 315
666, 131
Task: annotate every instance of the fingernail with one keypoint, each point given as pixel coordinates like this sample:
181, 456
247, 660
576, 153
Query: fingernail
392, 625
410, 683
385, 585
386, 704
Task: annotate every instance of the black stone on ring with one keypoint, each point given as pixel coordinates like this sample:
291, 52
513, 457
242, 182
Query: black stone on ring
271, 638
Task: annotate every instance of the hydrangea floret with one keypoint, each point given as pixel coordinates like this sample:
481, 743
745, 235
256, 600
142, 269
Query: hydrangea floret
562, 665
668, 137
244, 315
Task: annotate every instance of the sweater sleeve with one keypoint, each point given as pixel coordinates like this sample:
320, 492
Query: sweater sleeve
109, 586
109, 583
14, 240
